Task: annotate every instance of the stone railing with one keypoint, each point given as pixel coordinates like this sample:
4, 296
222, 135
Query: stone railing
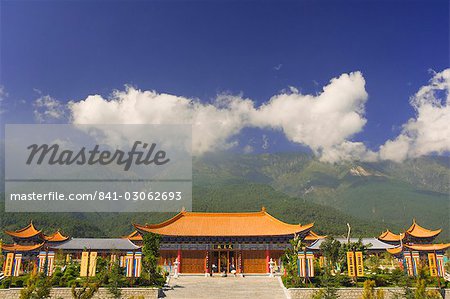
127, 293
354, 293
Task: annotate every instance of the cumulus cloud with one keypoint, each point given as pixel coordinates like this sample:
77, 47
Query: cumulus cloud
47, 109
324, 122
429, 131
3, 95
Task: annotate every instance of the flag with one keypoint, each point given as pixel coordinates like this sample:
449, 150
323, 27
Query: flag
50, 262
351, 263
408, 263
137, 264
84, 264
129, 264
92, 263
17, 264
42, 256
432, 264
305, 264
9, 264
440, 264
359, 263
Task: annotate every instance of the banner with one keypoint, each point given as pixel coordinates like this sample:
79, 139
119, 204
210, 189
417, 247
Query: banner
137, 264
440, 264
122, 261
50, 262
321, 261
129, 264
359, 264
9, 264
92, 263
432, 264
17, 264
41, 257
305, 264
84, 264
408, 263
416, 261
351, 263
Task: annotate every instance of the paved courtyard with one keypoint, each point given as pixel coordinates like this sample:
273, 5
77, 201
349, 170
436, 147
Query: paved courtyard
260, 287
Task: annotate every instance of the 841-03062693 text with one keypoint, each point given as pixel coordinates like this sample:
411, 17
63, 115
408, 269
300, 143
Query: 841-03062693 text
99, 195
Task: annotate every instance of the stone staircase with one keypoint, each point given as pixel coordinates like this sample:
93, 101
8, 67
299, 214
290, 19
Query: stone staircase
260, 287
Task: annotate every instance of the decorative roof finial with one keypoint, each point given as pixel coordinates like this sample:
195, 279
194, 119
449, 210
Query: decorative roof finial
263, 209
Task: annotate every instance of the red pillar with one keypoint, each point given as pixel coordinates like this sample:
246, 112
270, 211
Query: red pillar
179, 260
267, 260
207, 262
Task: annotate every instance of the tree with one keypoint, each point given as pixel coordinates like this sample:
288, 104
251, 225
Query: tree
289, 259
86, 291
38, 286
369, 291
150, 252
116, 280
330, 249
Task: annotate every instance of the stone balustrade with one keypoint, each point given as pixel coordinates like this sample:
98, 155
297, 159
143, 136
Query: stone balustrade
354, 293
127, 293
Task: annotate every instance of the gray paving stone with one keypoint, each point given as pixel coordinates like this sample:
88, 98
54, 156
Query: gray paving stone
190, 287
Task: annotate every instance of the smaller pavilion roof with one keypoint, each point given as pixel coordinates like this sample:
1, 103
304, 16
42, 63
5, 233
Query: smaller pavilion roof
418, 231
395, 250
312, 236
429, 247
21, 248
56, 237
376, 244
28, 231
134, 236
389, 236
96, 244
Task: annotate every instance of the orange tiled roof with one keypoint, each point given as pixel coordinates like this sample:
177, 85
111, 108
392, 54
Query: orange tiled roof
395, 250
417, 231
21, 248
56, 237
26, 232
429, 247
224, 224
390, 236
134, 236
312, 236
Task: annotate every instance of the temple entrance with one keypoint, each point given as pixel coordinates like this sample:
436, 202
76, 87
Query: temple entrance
223, 261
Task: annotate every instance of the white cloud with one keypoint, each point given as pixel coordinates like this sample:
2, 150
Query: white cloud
323, 122
320, 122
47, 109
213, 124
429, 131
3, 95
265, 140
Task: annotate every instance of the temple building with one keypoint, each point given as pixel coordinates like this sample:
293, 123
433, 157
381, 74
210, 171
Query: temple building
414, 245
220, 242
30, 240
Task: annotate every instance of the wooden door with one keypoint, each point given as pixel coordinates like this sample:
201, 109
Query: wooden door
254, 261
193, 261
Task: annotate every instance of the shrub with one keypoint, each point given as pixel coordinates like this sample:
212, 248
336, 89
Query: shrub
38, 286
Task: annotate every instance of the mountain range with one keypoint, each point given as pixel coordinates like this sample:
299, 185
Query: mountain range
296, 188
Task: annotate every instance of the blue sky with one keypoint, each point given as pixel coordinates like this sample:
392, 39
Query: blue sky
72, 49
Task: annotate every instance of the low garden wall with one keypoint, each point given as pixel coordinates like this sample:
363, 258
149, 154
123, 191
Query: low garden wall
353, 293
128, 293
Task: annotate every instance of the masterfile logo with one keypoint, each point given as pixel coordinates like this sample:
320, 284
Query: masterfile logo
52, 155
98, 168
